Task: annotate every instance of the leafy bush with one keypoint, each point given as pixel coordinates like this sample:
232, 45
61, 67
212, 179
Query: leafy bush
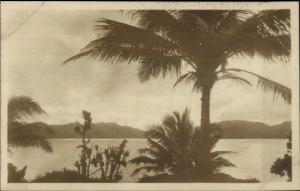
64, 175
106, 162
109, 162
84, 162
283, 166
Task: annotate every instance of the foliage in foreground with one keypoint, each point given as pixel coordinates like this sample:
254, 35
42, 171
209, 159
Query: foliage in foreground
283, 166
64, 175
176, 150
106, 163
15, 175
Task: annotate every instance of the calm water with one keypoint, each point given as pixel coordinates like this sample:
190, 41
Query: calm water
253, 159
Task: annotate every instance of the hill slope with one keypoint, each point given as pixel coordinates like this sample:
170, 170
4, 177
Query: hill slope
254, 130
99, 130
231, 130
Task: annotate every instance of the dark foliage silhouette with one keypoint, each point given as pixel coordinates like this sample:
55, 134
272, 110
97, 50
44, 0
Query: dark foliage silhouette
23, 134
283, 166
15, 175
109, 161
65, 175
84, 162
106, 163
175, 151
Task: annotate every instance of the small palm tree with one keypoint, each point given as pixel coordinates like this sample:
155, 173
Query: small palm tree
23, 134
174, 150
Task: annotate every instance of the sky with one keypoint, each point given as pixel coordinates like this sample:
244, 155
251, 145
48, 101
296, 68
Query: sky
37, 39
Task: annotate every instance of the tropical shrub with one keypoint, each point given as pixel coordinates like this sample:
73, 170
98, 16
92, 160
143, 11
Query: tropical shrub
175, 149
64, 175
106, 162
84, 162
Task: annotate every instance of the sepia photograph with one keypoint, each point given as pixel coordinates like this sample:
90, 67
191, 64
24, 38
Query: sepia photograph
150, 96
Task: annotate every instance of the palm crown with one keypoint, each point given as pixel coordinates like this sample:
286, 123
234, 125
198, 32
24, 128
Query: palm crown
162, 41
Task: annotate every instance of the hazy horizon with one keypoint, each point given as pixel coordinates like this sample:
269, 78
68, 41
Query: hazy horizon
96, 122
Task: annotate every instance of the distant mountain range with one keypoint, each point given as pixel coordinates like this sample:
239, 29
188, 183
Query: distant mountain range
99, 130
254, 130
236, 129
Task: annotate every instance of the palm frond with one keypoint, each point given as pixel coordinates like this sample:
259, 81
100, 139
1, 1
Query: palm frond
178, 128
29, 135
148, 151
159, 158
214, 139
180, 79
277, 89
219, 153
186, 123
170, 124
268, 47
155, 65
232, 19
266, 33
21, 137
270, 86
195, 77
181, 28
126, 43
119, 32
143, 159
158, 147
162, 136
22, 106
168, 23
87, 53
145, 168
276, 21
156, 133
156, 20
230, 76
39, 127
35, 127
123, 42
216, 19
222, 162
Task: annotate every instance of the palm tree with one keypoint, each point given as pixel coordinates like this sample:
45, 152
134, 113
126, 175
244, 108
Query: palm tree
23, 134
162, 41
174, 150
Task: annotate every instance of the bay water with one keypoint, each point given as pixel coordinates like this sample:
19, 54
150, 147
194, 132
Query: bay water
253, 157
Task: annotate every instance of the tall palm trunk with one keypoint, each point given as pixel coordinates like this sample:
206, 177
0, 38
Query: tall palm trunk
205, 128
205, 108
